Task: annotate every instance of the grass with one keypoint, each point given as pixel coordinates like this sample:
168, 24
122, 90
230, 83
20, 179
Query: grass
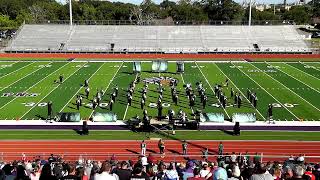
292, 87
180, 135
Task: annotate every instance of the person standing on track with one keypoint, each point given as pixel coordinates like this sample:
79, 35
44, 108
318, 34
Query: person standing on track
184, 147
143, 148
220, 149
205, 153
161, 146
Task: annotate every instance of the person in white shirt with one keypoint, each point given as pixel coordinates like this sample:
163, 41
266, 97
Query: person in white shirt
205, 170
105, 172
171, 172
233, 157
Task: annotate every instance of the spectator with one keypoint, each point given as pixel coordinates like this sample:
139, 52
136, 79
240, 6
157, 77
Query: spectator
35, 174
188, 172
205, 170
309, 173
71, 173
316, 171
21, 173
291, 158
137, 173
80, 173
123, 172
277, 174
260, 173
105, 172
52, 159
288, 173
298, 174
8, 172
196, 175
144, 160
233, 157
46, 173
220, 174
150, 171
300, 159
150, 159
235, 173
161, 171
171, 173
256, 159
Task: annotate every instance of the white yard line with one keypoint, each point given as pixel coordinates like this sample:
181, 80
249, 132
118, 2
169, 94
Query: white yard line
22, 77
80, 89
211, 88
48, 94
268, 92
279, 69
239, 89
105, 90
34, 85
182, 78
288, 89
125, 113
17, 70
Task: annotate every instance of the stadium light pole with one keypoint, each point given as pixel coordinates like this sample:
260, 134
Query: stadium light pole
250, 12
70, 11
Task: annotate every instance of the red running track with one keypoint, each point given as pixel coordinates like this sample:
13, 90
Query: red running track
124, 150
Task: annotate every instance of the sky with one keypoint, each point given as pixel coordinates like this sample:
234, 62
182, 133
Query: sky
158, 1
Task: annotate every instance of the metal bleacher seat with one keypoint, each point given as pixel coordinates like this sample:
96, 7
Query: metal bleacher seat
188, 39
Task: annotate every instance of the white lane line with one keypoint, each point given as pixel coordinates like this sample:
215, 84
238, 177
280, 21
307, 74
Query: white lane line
267, 91
22, 77
238, 89
48, 94
34, 85
17, 70
211, 88
182, 78
80, 89
279, 69
105, 90
289, 89
125, 113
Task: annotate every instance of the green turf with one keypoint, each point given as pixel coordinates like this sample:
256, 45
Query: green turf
280, 92
61, 96
292, 83
180, 135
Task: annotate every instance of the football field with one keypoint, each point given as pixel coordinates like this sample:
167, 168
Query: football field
26, 87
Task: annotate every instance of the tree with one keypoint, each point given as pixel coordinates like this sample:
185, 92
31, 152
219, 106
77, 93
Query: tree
299, 14
5, 22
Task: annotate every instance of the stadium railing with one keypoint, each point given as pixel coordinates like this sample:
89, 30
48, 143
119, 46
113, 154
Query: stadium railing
162, 22
5, 157
160, 51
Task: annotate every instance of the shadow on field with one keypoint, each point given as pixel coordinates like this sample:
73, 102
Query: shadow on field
168, 136
228, 132
132, 151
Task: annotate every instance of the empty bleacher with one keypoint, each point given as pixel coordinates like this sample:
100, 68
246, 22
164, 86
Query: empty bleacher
166, 39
